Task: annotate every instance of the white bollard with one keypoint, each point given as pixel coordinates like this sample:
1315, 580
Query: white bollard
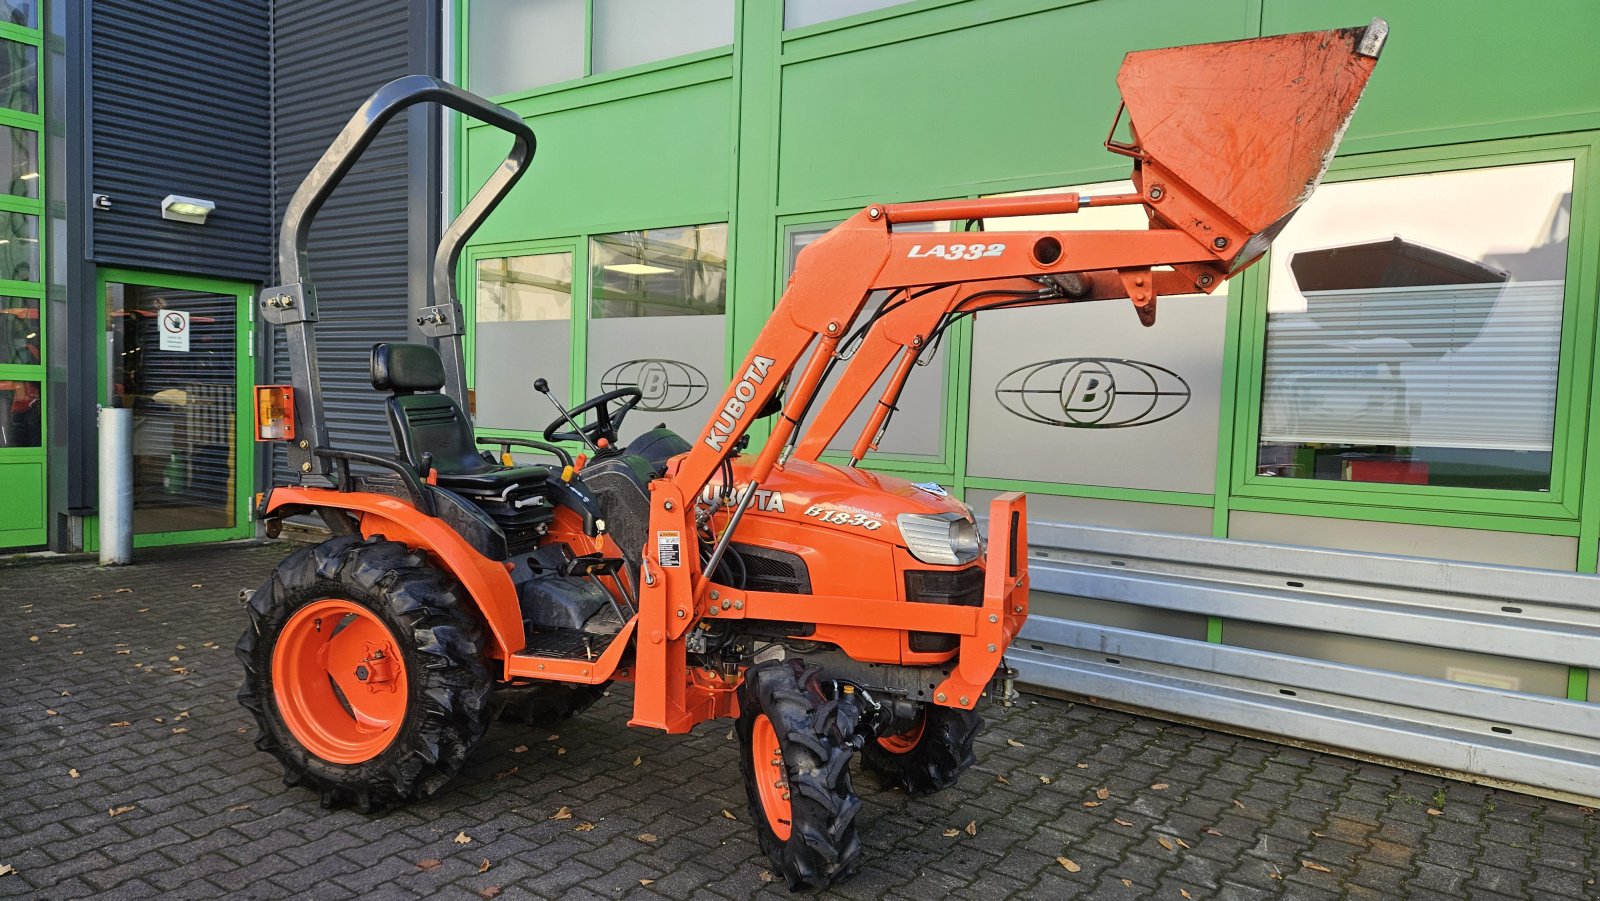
116, 485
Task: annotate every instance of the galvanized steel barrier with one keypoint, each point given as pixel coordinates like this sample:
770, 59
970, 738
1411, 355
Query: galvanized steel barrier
1545, 744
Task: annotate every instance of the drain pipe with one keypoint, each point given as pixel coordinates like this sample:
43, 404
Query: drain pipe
116, 486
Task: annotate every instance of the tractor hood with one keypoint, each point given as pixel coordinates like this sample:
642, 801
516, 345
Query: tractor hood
855, 500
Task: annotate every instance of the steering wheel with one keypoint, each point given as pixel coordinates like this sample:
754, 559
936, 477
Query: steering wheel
607, 418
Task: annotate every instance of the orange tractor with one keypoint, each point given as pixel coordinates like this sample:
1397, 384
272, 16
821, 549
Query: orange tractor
831, 610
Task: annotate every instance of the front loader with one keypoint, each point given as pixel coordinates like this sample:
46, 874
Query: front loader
833, 611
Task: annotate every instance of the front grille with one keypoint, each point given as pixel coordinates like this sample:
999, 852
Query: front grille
766, 569
960, 588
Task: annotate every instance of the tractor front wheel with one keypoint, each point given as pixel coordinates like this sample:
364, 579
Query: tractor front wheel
929, 756
795, 750
364, 672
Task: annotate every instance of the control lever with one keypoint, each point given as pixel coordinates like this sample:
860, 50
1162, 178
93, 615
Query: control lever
543, 387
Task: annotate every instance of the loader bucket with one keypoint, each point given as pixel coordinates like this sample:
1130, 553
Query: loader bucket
1248, 126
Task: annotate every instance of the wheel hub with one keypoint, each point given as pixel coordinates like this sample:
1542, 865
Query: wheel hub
772, 778
335, 681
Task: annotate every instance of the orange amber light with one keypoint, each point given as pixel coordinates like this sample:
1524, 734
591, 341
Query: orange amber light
274, 413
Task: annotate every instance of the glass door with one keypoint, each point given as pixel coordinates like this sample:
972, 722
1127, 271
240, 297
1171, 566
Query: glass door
177, 353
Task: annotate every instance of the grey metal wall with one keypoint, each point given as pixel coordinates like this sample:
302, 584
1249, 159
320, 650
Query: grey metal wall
368, 241
179, 99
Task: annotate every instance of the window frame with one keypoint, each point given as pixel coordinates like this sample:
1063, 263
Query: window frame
1575, 369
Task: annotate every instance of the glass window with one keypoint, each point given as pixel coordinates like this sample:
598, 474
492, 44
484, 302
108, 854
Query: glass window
19, 414
800, 13
19, 76
20, 12
19, 161
20, 341
916, 428
516, 45
634, 32
523, 308
1414, 327
656, 304
19, 247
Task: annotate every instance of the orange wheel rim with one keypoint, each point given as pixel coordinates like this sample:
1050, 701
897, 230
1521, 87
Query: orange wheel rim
772, 779
339, 681
905, 741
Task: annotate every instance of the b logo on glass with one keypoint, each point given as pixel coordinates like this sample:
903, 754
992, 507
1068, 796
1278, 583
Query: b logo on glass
1093, 393
668, 385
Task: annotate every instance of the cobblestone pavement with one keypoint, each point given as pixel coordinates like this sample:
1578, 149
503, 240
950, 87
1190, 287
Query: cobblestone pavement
127, 771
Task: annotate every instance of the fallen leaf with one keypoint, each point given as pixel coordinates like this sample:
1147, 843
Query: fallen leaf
197, 585
565, 813
49, 712
1102, 793
174, 658
1068, 865
1046, 780
1160, 786
561, 752
1127, 883
1121, 822
66, 625
972, 827
1311, 865
7, 869
1210, 831
647, 882
124, 652
553, 737
1002, 780
484, 867
119, 811
489, 891
520, 749
648, 837
766, 876
242, 730
179, 730
951, 833
1435, 812
1185, 892
159, 719
729, 736
1585, 810
66, 694
1083, 766
121, 723
123, 591
142, 610
427, 863
1014, 743
638, 760
505, 773
583, 827
247, 807
1239, 804
182, 715
33, 638
463, 839
182, 647
73, 772
1091, 804
1181, 843
728, 815
1165, 842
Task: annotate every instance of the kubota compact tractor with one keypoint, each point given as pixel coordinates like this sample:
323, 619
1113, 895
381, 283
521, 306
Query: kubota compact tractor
831, 610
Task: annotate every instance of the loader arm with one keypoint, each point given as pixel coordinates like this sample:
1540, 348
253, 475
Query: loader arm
1228, 140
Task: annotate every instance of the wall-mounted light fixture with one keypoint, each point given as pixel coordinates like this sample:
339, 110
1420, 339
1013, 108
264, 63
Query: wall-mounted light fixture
186, 209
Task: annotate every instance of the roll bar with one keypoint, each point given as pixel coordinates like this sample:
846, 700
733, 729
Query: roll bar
293, 304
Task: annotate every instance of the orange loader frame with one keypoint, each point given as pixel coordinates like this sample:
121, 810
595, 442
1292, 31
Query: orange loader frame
1227, 141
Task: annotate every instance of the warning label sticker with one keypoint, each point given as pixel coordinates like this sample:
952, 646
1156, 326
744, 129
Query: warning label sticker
668, 548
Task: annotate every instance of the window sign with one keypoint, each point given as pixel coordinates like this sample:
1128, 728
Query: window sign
800, 13
523, 310
657, 299
916, 428
1083, 394
635, 32
1414, 329
517, 45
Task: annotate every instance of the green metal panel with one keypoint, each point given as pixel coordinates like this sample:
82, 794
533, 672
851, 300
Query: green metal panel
1023, 98
22, 515
1466, 69
660, 156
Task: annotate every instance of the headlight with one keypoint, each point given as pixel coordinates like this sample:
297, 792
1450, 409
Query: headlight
946, 539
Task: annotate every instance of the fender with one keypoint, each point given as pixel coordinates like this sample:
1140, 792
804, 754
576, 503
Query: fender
483, 579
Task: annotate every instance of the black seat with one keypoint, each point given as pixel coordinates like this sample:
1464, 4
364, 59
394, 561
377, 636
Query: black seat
424, 421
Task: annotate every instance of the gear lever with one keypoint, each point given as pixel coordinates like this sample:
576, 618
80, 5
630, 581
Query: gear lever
543, 387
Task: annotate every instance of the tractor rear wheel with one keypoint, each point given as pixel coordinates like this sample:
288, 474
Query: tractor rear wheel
545, 702
364, 672
795, 750
929, 756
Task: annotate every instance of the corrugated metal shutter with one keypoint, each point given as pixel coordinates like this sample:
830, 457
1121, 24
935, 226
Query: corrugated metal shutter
327, 59
179, 95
